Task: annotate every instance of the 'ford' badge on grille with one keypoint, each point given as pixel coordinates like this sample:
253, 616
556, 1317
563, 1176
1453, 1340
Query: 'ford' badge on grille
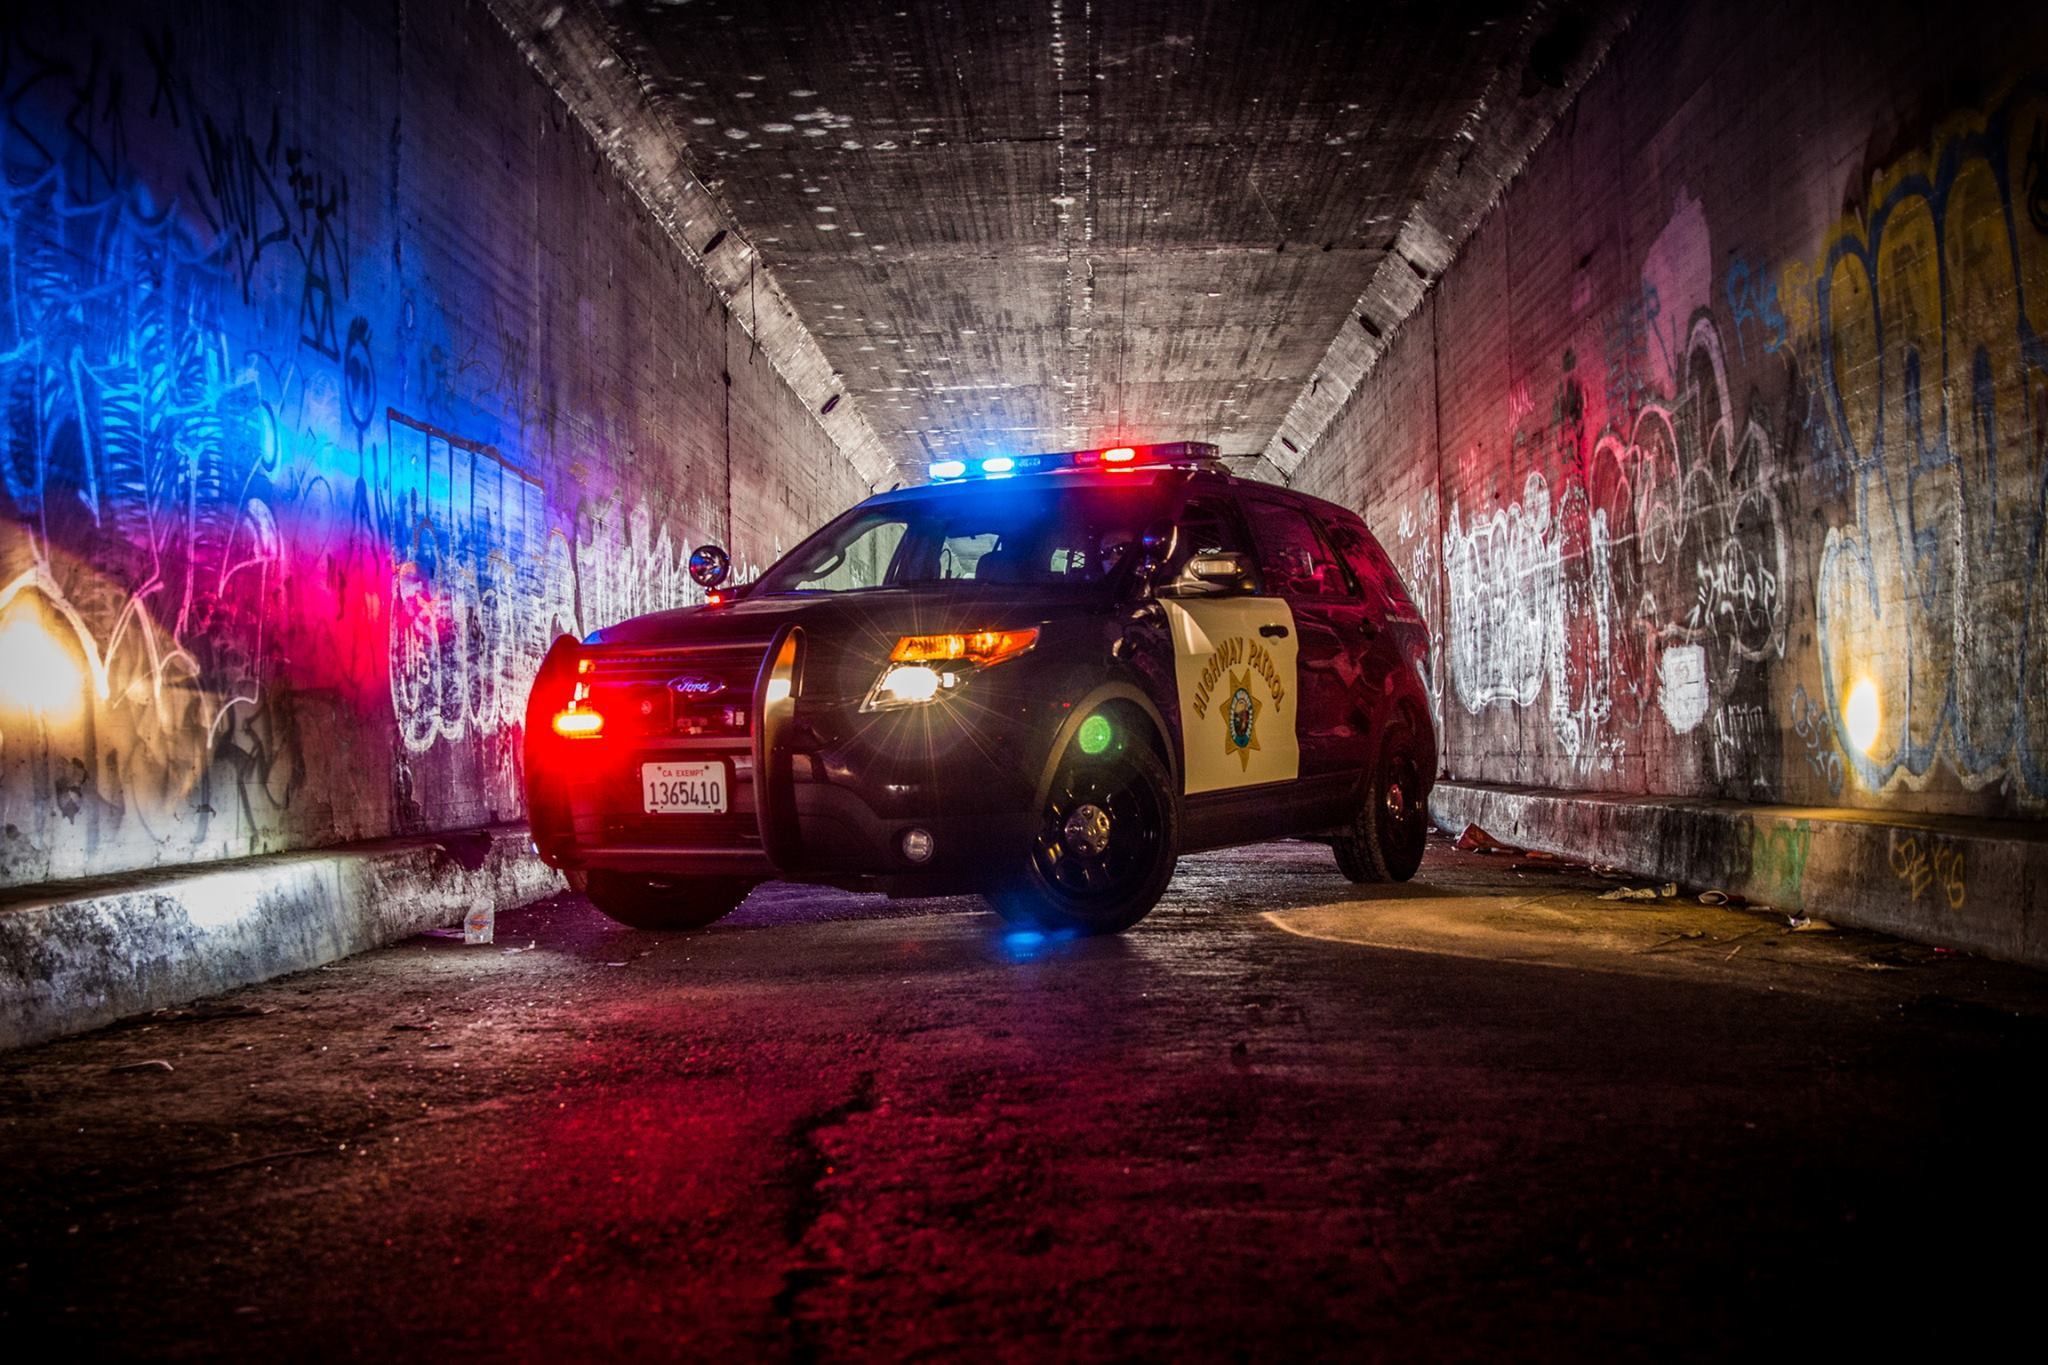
696, 685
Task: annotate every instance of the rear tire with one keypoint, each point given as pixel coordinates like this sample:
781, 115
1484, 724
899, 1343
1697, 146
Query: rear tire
1388, 835
1351, 862
646, 902
1105, 848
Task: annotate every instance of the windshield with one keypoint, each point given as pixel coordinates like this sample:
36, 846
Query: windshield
991, 533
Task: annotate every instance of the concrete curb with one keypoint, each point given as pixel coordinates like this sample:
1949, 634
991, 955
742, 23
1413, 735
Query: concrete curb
74, 958
1975, 884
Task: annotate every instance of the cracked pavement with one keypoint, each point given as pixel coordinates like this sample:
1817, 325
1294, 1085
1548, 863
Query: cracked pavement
1484, 1114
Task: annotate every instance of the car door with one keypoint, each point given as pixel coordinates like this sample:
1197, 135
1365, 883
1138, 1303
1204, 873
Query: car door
1233, 660
1335, 628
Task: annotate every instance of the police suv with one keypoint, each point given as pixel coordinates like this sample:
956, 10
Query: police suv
1041, 678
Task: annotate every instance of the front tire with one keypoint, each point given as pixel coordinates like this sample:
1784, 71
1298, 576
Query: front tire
1388, 835
646, 902
1107, 840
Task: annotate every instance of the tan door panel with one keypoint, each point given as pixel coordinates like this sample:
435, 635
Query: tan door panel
1234, 663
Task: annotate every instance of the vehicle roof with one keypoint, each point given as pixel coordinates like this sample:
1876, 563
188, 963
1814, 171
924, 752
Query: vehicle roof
1085, 477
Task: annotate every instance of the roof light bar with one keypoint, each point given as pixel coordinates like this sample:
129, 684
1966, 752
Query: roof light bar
1172, 454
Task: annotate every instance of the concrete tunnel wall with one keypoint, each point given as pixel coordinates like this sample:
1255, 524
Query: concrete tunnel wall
339, 374
1738, 400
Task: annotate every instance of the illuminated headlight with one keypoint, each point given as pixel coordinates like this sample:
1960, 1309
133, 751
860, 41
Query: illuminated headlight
905, 685
925, 668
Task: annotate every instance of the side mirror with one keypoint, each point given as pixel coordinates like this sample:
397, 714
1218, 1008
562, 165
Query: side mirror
709, 566
1227, 570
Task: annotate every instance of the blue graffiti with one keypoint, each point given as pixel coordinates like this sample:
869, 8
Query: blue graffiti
1753, 303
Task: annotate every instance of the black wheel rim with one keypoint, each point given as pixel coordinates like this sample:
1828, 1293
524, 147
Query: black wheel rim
1402, 828
1070, 866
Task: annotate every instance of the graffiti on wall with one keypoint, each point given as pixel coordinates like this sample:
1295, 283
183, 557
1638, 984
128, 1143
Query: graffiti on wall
1645, 583
1415, 549
143, 473
482, 585
1930, 310
1768, 858
1816, 734
1929, 864
218, 536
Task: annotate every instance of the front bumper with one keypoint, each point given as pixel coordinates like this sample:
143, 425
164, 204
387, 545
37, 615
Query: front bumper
818, 791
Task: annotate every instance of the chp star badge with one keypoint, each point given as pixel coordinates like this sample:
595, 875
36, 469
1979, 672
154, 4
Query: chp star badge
1240, 720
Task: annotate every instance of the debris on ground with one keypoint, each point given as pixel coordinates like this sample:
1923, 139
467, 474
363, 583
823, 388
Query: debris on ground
1808, 922
1477, 840
153, 1064
480, 925
1629, 893
527, 949
1714, 898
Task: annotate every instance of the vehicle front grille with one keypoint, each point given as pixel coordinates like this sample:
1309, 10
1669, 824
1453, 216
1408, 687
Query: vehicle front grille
687, 690
678, 703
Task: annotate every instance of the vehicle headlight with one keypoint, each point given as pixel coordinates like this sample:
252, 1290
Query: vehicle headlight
927, 668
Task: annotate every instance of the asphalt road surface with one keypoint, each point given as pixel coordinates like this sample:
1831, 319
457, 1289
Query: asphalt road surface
1483, 1115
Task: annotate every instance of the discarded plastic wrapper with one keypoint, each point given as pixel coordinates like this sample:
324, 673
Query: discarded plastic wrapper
1808, 924
1713, 898
1477, 840
480, 925
1629, 893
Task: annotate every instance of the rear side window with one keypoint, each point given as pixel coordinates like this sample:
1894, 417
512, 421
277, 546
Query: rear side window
1370, 563
1292, 556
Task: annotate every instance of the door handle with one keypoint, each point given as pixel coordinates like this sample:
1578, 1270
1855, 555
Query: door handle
1273, 632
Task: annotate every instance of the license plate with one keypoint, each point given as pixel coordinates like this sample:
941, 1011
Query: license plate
683, 788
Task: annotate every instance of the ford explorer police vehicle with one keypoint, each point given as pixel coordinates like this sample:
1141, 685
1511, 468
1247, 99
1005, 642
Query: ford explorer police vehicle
1041, 678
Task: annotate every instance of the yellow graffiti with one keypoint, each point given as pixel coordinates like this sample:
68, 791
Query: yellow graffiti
1927, 862
1929, 303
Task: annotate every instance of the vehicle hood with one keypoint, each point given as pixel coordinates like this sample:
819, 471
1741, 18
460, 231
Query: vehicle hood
849, 635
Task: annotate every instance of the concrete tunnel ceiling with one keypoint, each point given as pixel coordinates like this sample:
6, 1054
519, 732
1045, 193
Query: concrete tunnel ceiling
995, 227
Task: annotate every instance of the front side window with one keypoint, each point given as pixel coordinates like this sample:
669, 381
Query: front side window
861, 562
994, 533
